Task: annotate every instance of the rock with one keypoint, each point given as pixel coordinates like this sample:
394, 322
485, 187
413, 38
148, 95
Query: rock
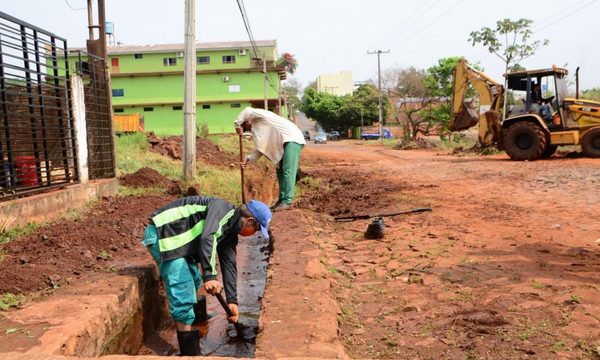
44, 237
358, 331
598, 241
23, 260
88, 254
193, 190
174, 189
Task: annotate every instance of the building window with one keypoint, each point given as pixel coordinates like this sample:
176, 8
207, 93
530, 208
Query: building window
118, 92
138, 56
149, 108
170, 61
234, 88
228, 59
114, 61
118, 110
203, 60
236, 105
206, 106
177, 107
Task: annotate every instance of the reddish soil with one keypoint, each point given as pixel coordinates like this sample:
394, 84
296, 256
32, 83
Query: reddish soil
61, 252
506, 266
147, 177
206, 150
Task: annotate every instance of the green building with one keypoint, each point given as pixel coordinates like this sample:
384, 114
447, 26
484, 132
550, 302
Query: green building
229, 76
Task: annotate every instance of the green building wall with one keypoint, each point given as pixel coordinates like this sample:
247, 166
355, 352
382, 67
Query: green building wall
156, 91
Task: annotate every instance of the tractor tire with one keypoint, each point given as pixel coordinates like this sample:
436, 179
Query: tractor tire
591, 143
525, 141
550, 150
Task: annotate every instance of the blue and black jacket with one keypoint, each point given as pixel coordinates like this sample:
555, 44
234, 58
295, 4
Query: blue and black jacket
203, 228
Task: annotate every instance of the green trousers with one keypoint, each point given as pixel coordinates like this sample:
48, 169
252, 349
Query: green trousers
287, 171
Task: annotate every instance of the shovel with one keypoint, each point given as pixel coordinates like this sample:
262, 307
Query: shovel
238, 327
242, 170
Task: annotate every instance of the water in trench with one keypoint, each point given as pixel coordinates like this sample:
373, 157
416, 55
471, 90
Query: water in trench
219, 338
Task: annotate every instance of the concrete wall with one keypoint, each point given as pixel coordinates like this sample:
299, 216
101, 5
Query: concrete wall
52, 205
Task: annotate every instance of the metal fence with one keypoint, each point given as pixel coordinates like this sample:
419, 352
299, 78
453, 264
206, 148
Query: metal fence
37, 134
101, 156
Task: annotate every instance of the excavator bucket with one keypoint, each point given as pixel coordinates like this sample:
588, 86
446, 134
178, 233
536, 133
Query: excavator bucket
465, 119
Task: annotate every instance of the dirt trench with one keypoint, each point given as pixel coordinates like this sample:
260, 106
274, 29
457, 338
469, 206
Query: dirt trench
98, 242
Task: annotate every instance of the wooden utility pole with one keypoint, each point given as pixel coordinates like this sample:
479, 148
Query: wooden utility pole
379, 106
266, 80
189, 99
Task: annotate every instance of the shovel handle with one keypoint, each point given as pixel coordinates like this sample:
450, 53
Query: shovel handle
242, 170
224, 304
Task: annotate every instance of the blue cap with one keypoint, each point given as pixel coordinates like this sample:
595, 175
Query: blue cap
262, 214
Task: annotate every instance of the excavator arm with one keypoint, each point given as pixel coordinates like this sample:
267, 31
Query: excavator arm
491, 99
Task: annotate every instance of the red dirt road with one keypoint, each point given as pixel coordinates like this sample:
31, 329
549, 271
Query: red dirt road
506, 266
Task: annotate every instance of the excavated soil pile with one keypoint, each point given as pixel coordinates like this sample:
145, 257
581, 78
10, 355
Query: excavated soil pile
68, 249
147, 177
206, 150
346, 193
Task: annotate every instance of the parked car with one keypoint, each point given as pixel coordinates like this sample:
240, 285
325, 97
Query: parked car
306, 135
321, 138
333, 135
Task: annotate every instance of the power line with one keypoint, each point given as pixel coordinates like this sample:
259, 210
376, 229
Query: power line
444, 13
404, 24
246, 21
566, 15
75, 9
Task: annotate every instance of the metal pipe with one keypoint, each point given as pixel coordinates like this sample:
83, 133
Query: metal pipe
577, 83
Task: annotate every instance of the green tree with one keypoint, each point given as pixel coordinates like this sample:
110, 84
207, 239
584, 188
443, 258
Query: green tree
510, 41
439, 82
291, 90
591, 94
342, 112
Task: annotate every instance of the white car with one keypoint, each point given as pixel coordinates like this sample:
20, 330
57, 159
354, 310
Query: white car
321, 138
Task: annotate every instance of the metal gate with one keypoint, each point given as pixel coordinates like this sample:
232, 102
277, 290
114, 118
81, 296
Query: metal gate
101, 156
37, 134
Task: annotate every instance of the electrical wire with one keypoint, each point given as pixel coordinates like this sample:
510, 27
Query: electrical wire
246, 21
405, 23
74, 9
566, 15
443, 14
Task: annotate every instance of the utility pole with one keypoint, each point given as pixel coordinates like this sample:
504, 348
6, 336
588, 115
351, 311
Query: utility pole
379, 52
264, 61
189, 99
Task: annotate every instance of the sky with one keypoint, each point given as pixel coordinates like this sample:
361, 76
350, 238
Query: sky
329, 36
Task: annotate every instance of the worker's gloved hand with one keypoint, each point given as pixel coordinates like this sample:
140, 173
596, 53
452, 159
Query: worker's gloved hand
245, 162
236, 313
213, 287
239, 130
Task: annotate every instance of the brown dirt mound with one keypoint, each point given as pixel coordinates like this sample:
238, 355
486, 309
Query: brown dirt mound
147, 177
348, 193
414, 144
206, 150
62, 251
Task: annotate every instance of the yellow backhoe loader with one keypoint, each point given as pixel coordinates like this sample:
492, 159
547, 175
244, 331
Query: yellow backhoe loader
534, 126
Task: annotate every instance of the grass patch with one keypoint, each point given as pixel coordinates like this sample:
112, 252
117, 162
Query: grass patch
537, 285
132, 154
7, 236
10, 300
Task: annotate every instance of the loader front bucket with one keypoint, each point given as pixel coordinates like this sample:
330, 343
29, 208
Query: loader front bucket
465, 119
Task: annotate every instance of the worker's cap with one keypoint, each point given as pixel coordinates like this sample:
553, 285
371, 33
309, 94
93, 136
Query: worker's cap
262, 214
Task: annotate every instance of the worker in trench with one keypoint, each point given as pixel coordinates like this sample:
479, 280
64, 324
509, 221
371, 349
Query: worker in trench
185, 237
280, 141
